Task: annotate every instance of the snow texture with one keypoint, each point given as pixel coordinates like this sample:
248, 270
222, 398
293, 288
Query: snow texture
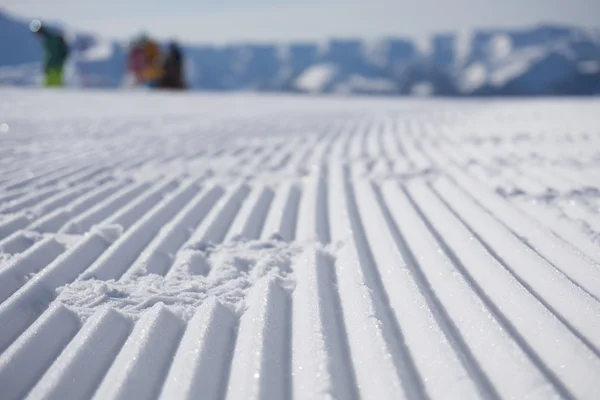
272, 247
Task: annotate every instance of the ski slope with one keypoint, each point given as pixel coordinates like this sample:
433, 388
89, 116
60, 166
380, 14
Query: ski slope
159, 246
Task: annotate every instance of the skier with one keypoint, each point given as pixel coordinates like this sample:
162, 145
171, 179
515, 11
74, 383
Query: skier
172, 74
56, 52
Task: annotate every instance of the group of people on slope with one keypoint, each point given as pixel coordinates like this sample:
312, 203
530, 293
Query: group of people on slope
148, 65
152, 69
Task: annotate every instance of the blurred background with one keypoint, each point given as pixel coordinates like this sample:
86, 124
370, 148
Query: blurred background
378, 47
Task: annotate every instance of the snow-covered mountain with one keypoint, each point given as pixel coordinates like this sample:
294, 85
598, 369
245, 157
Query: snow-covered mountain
537, 61
545, 60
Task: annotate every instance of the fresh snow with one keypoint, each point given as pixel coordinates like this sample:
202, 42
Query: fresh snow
155, 245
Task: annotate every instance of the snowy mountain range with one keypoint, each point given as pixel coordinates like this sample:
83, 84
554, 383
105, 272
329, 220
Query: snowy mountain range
543, 60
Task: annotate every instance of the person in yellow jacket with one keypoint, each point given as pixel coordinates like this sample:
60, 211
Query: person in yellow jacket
152, 71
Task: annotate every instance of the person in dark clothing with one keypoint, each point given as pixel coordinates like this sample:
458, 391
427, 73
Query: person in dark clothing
172, 76
56, 52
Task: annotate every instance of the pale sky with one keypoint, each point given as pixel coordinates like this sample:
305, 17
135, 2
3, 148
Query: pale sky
214, 21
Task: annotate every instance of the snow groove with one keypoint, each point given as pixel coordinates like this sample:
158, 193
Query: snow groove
18, 242
125, 217
320, 360
54, 221
31, 300
200, 364
158, 257
250, 220
558, 293
114, 263
564, 257
140, 367
422, 308
260, 367
401, 357
369, 342
26, 360
217, 223
281, 220
15, 273
313, 217
80, 362
12, 224
494, 295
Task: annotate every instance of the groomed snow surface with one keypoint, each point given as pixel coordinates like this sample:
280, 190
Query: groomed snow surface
159, 246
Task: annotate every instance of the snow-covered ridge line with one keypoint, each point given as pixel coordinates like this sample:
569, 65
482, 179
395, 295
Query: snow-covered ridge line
545, 59
307, 249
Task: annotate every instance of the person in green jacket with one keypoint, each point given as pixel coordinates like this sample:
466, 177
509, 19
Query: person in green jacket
56, 51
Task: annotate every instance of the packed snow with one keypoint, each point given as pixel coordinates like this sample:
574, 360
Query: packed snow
242, 246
